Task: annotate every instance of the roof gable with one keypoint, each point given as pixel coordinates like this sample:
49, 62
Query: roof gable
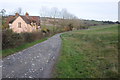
27, 19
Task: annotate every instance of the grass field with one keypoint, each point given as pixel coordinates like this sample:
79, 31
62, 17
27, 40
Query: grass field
91, 53
7, 52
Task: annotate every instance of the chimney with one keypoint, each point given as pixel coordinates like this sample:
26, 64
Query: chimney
16, 14
26, 14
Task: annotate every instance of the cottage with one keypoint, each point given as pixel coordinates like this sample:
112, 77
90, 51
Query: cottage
25, 23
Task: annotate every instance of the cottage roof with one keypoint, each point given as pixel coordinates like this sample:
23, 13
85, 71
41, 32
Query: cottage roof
27, 19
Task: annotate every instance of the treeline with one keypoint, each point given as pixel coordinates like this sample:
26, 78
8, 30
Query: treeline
110, 22
54, 12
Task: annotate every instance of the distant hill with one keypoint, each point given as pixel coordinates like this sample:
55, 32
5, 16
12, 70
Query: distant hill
59, 21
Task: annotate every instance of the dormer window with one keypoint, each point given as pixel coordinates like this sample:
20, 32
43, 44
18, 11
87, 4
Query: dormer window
19, 24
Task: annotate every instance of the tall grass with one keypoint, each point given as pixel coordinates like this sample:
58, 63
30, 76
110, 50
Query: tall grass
89, 53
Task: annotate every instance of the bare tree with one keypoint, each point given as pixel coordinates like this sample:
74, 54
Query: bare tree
43, 11
2, 15
3, 12
64, 13
54, 12
19, 11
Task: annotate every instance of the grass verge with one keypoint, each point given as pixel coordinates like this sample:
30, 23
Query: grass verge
89, 53
7, 52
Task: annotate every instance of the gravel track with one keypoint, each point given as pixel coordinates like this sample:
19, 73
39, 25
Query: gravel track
34, 62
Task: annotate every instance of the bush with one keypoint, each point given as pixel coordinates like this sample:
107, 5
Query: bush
28, 37
45, 30
10, 39
17, 39
38, 35
70, 26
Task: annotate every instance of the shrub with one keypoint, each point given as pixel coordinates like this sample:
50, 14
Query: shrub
17, 39
28, 37
45, 30
11, 39
38, 35
70, 26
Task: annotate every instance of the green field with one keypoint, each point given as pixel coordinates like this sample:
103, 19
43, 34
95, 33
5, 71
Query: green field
91, 53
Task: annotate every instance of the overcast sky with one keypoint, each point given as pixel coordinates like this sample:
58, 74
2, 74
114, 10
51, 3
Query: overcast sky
85, 9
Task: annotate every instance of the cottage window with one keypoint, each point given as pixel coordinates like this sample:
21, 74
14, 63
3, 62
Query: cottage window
19, 25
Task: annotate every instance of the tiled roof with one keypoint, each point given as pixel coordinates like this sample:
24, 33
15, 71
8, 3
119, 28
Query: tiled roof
27, 19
